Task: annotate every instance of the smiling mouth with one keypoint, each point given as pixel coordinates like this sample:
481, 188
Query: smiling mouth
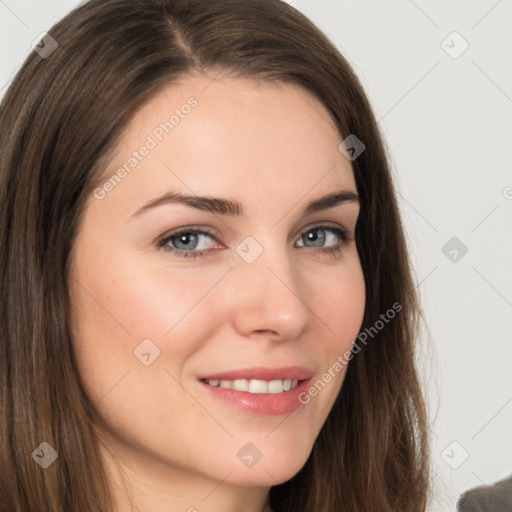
255, 386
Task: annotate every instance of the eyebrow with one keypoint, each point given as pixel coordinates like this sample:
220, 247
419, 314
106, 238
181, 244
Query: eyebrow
232, 207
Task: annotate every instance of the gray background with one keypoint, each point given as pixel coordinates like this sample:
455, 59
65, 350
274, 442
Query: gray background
447, 121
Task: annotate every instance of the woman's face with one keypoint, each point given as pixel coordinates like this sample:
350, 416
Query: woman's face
171, 296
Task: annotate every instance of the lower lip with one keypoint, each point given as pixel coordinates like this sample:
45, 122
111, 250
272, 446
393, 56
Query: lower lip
268, 404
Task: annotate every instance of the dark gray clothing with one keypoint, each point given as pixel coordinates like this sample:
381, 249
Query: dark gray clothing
492, 498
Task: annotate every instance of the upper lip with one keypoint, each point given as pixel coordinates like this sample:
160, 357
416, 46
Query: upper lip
262, 373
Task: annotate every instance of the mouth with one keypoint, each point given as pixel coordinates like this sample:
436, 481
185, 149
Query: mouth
260, 391
255, 386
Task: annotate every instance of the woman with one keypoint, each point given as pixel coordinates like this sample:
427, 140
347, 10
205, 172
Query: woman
207, 296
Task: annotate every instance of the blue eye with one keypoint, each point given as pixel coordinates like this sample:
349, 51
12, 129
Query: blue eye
192, 243
189, 240
318, 235
186, 243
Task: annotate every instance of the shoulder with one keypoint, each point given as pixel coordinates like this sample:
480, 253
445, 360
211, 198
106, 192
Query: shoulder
493, 498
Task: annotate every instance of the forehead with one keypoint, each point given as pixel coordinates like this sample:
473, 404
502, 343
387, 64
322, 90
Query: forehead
211, 134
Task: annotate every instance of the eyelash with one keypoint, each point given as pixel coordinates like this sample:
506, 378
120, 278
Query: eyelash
333, 251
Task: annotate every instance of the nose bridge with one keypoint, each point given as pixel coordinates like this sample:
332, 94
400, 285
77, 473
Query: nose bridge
269, 292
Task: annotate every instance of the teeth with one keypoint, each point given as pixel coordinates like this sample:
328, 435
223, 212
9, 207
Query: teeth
240, 385
255, 385
275, 386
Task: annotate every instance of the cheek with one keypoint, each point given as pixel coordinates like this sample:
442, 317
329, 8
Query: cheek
118, 306
340, 305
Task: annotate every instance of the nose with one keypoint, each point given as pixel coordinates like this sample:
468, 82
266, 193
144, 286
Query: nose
269, 298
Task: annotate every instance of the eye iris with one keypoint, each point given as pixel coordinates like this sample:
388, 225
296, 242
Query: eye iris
185, 239
313, 236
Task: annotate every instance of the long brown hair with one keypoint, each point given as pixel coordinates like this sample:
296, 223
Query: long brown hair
59, 119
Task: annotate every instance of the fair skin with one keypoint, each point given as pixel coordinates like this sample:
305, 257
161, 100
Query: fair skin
274, 149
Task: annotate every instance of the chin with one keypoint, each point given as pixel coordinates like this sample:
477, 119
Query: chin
267, 476
276, 466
